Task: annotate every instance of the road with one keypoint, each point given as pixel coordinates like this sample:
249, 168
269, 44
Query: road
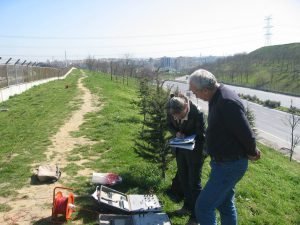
270, 123
285, 100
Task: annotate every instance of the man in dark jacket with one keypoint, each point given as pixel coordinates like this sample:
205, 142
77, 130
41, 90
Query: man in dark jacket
185, 119
230, 143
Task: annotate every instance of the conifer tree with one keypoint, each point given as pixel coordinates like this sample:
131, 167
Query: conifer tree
144, 92
152, 143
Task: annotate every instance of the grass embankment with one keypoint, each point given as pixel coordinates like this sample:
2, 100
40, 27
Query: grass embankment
27, 122
268, 194
271, 68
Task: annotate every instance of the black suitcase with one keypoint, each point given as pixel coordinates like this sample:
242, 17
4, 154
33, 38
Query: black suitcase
137, 219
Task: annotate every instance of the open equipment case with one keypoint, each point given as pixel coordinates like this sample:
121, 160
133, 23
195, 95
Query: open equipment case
119, 202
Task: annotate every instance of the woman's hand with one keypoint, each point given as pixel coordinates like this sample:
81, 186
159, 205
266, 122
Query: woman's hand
180, 135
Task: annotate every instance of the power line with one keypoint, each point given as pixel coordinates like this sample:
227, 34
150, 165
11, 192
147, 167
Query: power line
135, 45
196, 49
120, 37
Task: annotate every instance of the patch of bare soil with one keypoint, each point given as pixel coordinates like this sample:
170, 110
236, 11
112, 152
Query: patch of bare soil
34, 202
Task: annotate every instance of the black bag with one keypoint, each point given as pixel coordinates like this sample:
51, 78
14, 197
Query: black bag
48, 173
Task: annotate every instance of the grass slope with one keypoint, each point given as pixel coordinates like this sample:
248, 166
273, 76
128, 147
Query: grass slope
272, 68
268, 194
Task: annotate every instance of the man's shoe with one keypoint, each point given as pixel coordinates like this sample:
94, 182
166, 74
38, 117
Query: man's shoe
192, 221
182, 212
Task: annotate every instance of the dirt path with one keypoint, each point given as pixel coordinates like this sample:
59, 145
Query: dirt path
34, 202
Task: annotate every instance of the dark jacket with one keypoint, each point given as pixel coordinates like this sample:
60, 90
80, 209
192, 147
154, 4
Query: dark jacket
194, 125
228, 134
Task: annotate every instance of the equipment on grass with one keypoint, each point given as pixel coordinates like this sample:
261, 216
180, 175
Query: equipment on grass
121, 203
137, 219
106, 178
48, 173
62, 205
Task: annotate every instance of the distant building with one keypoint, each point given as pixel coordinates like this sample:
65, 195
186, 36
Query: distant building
165, 62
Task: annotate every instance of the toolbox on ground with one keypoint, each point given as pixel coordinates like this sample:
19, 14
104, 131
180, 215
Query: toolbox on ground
119, 202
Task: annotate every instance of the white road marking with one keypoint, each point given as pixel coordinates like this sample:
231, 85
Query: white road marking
272, 135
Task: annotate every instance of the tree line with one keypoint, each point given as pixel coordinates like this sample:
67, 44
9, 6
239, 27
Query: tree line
271, 68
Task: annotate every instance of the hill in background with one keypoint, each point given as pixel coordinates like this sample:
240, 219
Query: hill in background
272, 68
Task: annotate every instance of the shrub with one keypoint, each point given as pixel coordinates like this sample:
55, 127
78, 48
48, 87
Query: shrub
271, 104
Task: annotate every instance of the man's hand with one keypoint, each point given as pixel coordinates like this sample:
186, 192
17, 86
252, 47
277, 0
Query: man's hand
256, 157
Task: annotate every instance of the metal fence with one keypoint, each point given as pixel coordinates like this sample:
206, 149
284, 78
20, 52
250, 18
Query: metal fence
18, 74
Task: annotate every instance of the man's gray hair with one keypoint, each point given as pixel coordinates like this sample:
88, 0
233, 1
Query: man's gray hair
203, 79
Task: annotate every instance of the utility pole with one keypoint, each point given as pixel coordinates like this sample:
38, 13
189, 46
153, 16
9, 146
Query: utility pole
268, 33
66, 58
200, 61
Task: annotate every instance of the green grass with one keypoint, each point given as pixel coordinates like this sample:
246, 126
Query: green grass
268, 194
285, 109
26, 127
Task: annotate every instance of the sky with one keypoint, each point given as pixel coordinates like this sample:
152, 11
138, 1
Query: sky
52, 29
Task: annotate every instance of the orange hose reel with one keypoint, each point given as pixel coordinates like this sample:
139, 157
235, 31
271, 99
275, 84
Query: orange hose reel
62, 205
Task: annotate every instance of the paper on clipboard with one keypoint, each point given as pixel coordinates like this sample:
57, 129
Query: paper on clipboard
184, 143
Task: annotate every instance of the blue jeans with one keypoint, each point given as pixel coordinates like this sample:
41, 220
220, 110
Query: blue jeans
218, 193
